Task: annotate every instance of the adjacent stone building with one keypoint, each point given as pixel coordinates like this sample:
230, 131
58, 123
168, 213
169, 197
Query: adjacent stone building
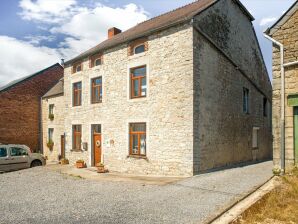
20, 105
285, 31
179, 94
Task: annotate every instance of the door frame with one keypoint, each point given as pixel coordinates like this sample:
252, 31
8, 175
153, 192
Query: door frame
295, 134
62, 146
92, 144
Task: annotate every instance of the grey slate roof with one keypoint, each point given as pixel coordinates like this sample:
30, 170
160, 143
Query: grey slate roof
17, 81
56, 90
283, 19
161, 22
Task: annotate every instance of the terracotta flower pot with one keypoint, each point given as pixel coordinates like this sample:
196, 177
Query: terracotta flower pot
80, 164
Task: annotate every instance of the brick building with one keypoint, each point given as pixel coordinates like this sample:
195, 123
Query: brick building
20, 107
285, 118
179, 94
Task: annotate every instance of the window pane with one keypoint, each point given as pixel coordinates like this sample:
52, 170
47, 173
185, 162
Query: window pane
51, 131
136, 87
144, 87
14, 151
140, 49
79, 68
3, 152
97, 62
138, 127
139, 71
143, 144
97, 128
51, 109
135, 144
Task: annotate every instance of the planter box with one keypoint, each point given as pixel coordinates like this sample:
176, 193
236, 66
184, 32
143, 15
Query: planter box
80, 165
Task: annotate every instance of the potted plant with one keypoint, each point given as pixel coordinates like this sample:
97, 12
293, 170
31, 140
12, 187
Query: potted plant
51, 117
64, 161
100, 168
80, 164
50, 144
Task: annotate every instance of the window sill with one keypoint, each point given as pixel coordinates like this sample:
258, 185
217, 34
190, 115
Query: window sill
140, 99
137, 55
138, 157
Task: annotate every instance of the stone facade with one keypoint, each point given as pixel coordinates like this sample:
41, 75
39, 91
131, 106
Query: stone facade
228, 59
20, 106
193, 107
287, 35
57, 124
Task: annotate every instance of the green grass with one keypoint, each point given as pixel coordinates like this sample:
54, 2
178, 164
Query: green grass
280, 206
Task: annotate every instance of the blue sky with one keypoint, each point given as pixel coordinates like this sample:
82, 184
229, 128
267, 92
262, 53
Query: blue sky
35, 34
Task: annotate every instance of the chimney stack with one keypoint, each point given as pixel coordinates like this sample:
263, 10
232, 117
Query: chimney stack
113, 32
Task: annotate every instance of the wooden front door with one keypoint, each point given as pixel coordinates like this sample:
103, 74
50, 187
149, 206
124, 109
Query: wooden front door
62, 147
97, 147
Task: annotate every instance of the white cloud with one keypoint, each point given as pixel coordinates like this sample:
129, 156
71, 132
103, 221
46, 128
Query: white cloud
36, 40
46, 11
89, 27
267, 21
19, 58
82, 27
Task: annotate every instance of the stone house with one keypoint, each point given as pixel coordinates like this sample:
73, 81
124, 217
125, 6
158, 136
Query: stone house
20, 105
179, 94
285, 78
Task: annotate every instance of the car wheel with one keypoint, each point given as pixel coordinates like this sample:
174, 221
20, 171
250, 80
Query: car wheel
36, 163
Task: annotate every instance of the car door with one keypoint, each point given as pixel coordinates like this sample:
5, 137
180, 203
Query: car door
19, 158
4, 158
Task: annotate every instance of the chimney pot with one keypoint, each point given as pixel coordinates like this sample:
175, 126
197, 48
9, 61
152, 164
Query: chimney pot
113, 32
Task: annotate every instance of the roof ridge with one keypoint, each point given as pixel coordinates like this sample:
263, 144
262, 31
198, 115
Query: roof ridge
162, 14
17, 81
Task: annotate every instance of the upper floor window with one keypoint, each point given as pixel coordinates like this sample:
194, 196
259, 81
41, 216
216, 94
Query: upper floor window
96, 60
51, 112
245, 100
77, 137
51, 109
77, 94
137, 135
138, 46
96, 90
138, 82
77, 67
139, 49
265, 107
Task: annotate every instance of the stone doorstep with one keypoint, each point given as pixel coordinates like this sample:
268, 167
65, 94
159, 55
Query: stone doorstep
91, 174
242, 204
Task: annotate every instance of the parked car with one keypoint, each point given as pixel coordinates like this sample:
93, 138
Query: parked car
16, 157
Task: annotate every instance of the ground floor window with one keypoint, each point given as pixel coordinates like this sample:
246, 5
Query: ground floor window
137, 136
77, 137
255, 140
50, 134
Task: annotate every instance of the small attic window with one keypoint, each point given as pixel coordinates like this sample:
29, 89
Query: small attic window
139, 49
97, 62
138, 46
77, 67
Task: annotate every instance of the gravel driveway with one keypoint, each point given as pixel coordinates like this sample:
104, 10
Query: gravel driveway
39, 195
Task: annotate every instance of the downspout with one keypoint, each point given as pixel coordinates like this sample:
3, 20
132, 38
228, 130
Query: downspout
282, 103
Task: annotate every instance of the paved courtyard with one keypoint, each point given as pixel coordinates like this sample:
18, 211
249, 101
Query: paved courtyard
40, 195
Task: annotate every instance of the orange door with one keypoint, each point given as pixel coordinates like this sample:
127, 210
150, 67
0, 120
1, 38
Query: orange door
97, 148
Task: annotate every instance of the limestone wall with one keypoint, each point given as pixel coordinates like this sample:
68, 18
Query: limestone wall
167, 109
57, 124
287, 35
227, 61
